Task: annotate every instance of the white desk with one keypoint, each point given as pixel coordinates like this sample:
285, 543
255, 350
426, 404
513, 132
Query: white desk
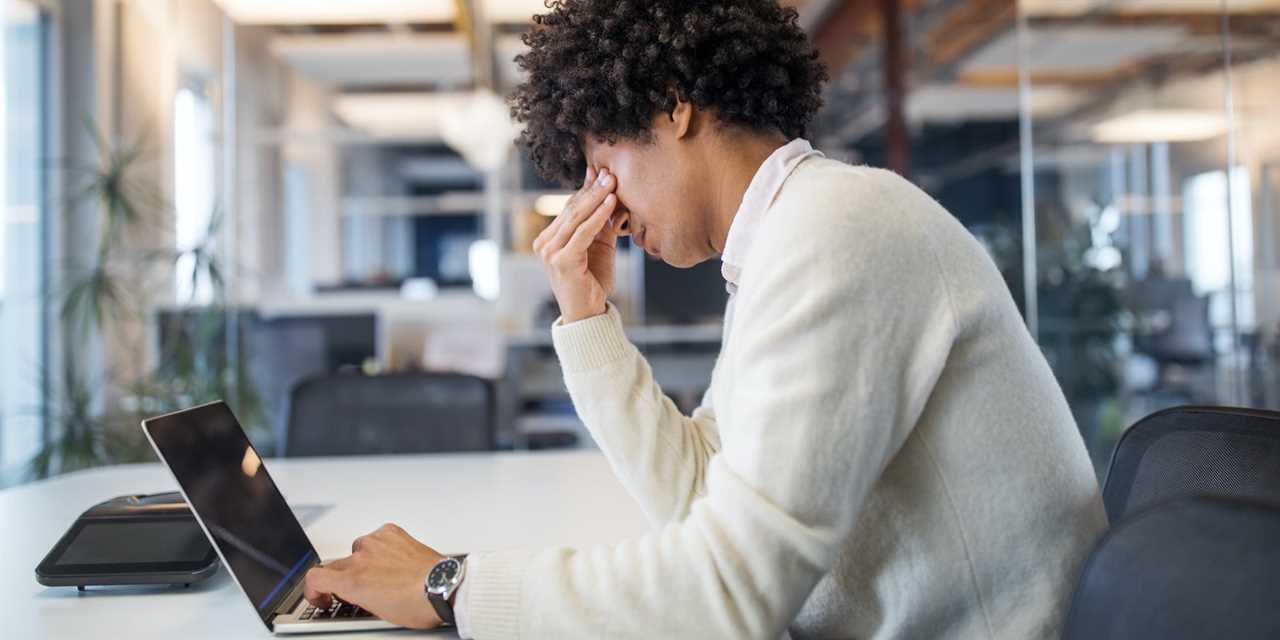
498, 500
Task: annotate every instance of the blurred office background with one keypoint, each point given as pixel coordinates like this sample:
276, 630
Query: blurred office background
314, 209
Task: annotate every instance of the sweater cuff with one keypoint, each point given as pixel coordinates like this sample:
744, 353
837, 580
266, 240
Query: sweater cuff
590, 343
495, 594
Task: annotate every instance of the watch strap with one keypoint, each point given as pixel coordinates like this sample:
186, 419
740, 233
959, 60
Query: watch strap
441, 602
443, 608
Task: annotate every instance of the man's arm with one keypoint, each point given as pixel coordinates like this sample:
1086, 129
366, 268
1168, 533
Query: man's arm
658, 453
828, 378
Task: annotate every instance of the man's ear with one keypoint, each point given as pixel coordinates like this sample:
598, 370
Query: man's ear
681, 119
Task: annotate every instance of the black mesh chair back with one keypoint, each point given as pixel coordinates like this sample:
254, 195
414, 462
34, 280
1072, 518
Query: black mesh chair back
1194, 567
1195, 450
351, 414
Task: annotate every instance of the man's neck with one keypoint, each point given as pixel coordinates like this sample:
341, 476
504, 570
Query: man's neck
737, 161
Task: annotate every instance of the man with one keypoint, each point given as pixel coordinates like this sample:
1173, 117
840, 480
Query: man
883, 451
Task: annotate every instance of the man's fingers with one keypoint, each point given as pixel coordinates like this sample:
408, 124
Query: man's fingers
586, 233
584, 204
321, 583
588, 198
596, 186
545, 235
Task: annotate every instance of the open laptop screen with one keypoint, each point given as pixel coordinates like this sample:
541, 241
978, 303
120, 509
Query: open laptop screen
235, 499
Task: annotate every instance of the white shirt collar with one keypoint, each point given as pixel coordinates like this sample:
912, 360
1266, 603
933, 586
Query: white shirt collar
756, 201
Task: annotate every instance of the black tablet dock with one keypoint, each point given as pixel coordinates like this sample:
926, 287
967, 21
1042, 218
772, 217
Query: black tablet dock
131, 540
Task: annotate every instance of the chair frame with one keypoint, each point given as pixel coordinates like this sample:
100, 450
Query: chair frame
1149, 430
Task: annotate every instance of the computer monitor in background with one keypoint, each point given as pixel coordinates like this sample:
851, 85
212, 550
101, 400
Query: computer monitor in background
277, 350
192, 339
338, 339
683, 296
346, 340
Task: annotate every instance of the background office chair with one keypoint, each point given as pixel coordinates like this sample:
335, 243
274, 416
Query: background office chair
1191, 450
351, 414
1173, 329
1194, 567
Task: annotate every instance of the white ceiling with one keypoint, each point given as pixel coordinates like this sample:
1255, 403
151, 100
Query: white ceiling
1078, 7
365, 60
294, 12
1079, 48
371, 59
337, 12
949, 103
409, 116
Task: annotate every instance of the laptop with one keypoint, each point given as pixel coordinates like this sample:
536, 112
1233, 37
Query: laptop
249, 523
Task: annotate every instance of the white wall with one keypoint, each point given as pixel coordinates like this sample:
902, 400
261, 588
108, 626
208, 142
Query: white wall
316, 161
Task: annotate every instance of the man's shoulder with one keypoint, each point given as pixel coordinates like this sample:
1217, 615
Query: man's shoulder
830, 208
820, 178
825, 198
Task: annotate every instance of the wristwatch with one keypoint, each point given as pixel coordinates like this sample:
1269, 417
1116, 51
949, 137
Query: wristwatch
441, 583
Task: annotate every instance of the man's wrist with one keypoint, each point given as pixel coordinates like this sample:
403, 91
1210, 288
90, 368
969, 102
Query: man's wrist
443, 582
568, 317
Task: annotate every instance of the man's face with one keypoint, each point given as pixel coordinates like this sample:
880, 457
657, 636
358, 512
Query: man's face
659, 189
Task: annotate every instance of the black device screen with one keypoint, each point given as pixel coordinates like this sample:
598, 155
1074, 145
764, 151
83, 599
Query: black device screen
231, 492
119, 542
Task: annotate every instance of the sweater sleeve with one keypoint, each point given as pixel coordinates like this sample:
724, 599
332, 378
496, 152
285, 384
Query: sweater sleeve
659, 454
841, 330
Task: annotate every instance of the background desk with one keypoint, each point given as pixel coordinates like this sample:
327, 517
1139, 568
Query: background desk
496, 501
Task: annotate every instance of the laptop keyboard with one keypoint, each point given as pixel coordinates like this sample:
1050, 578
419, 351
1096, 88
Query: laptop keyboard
339, 610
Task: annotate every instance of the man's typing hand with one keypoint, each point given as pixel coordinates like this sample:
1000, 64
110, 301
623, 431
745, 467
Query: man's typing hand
385, 574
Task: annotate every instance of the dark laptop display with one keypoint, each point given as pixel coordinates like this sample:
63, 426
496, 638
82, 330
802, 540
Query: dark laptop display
227, 485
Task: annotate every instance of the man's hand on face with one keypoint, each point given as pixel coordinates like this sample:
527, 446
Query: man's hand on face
578, 247
384, 574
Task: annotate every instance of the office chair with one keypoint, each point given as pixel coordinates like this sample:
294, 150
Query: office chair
1193, 567
1184, 344
1186, 450
352, 414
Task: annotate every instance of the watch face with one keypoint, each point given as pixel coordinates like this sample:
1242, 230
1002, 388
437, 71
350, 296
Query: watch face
443, 575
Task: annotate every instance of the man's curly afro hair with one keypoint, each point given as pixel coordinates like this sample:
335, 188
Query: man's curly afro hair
604, 68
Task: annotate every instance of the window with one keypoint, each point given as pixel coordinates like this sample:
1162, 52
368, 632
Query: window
194, 174
23, 264
1209, 252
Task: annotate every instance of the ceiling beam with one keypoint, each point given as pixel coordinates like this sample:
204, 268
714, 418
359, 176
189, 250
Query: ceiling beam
471, 22
1262, 25
850, 25
896, 68
966, 27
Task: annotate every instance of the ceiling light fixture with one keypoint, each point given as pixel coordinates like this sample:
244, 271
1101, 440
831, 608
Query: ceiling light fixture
1161, 125
397, 115
293, 12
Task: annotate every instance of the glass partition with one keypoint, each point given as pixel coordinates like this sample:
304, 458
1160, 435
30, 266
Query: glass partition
1151, 203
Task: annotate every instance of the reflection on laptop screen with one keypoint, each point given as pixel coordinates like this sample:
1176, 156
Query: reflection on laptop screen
234, 496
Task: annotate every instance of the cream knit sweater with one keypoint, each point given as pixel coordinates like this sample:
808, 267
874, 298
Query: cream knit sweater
883, 451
